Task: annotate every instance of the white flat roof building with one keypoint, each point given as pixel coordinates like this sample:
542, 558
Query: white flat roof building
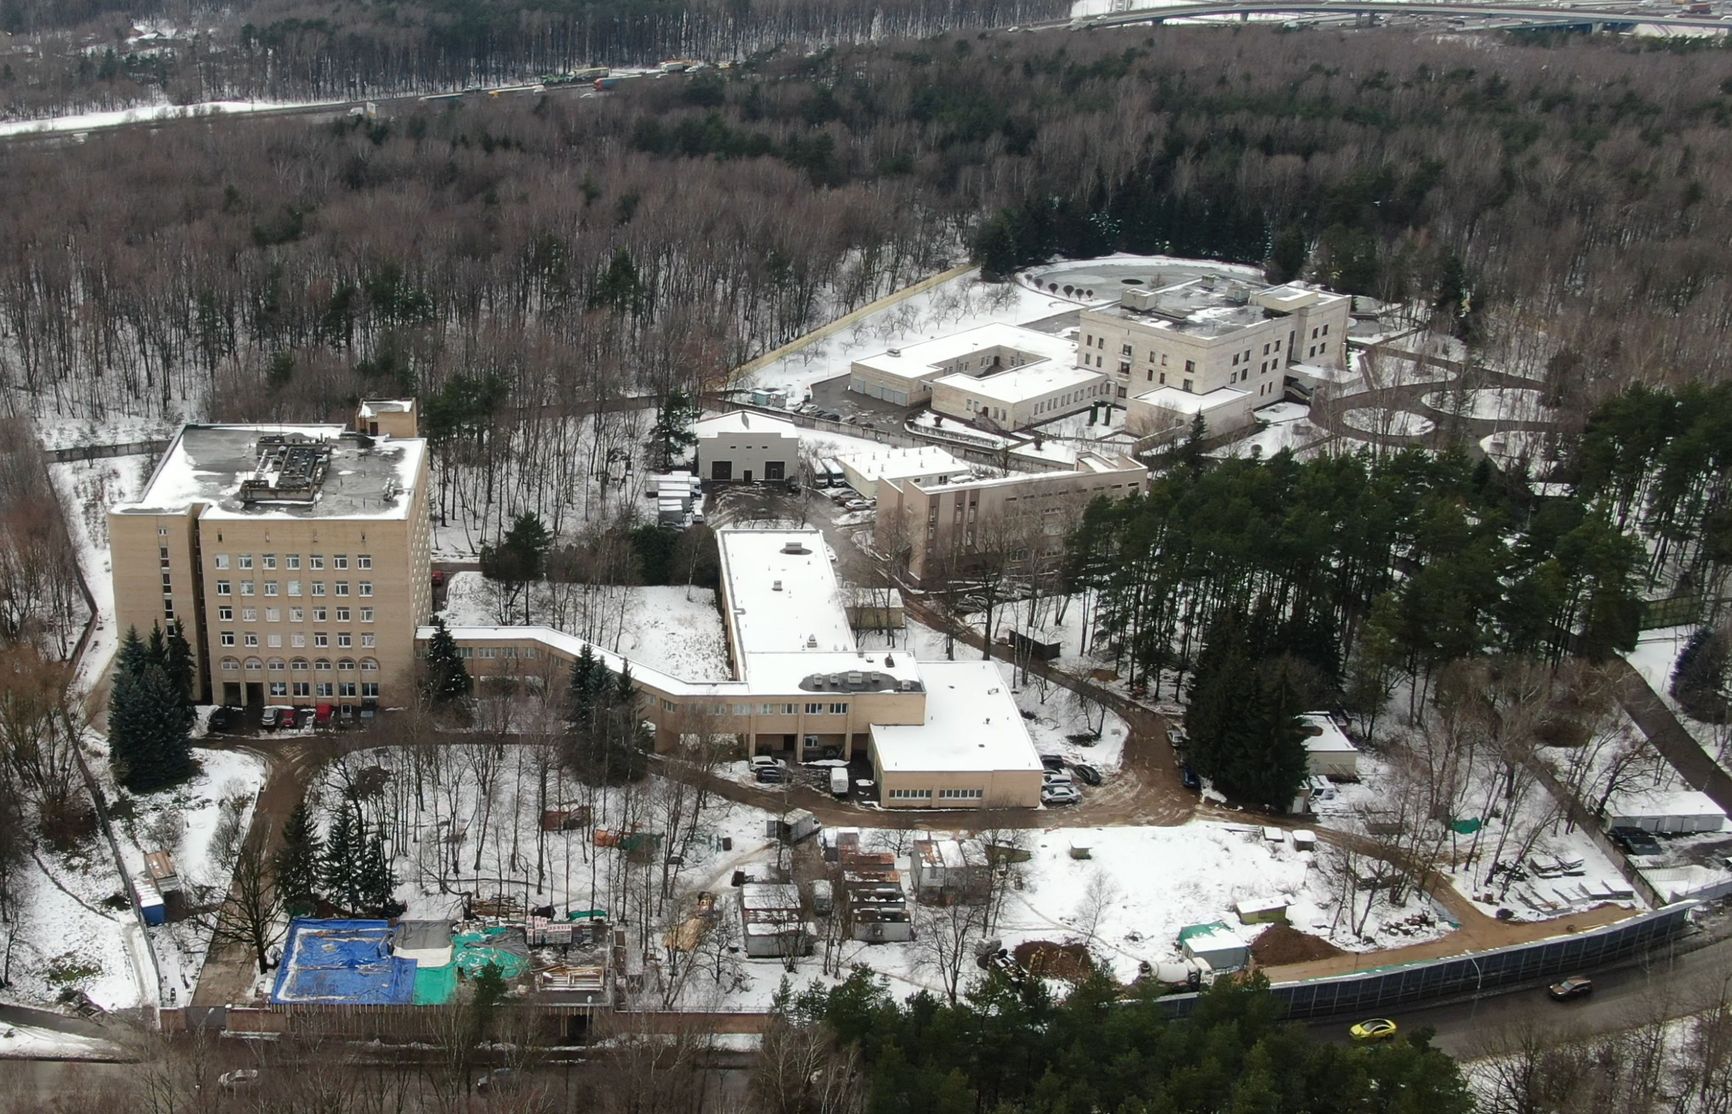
1328, 750
863, 470
745, 447
972, 751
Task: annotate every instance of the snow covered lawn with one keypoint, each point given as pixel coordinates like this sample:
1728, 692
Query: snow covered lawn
31, 1042
1394, 423
1655, 657
1491, 403
676, 630
88, 121
76, 932
87, 488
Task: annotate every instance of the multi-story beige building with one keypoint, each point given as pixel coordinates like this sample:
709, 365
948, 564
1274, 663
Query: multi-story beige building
1230, 344
296, 559
934, 527
938, 734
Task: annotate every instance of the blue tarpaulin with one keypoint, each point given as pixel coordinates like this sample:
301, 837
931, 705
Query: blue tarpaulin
343, 961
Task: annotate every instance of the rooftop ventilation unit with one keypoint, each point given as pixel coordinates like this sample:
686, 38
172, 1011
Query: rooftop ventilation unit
794, 549
775, 585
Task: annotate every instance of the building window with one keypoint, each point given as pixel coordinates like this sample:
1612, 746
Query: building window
298, 665
297, 639
814, 709
223, 588
370, 688
345, 665
319, 614
961, 794
342, 587
340, 561
227, 638
279, 688
246, 560
249, 638
270, 587
225, 614
254, 665
318, 587
910, 794
162, 531
366, 615
249, 614
364, 561
270, 560
838, 709
323, 688
316, 561
342, 615
276, 665
294, 587
369, 665
274, 641
366, 586
302, 689
320, 638
292, 561
272, 615
231, 664
344, 638
346, 688
247, 587
297, 615
221, 561
322, 665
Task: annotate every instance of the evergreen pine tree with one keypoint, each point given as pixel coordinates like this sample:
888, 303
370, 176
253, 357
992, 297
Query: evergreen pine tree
148, 723
340, 863
672, 433
580, 698
179, 665
448, 679
376, 881
298, 861
1699, 677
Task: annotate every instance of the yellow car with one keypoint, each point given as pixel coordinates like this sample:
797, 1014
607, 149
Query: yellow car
1377, 1029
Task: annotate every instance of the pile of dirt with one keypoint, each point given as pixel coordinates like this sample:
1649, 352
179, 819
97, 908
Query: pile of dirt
1046, 960
1282, 944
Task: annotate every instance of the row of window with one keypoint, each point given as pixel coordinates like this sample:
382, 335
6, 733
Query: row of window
324, 688
297, 639
248, 588
299, 665
293, 561
226, 614
943, 794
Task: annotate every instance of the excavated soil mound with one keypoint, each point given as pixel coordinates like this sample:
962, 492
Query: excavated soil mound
1046, 960
1282, 943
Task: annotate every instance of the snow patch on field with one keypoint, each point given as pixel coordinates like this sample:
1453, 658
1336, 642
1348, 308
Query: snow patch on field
33, 1043
87, 488
89, 121
1655, 657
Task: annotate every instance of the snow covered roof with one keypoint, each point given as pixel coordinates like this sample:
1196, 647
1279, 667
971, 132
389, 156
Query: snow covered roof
744, 421
928, 358
373, 407
1210, 307
209, 464
1188, 402
972, 724
900, 463
1321, 735
1214, 936
781, 593
1019, 384
1649, 802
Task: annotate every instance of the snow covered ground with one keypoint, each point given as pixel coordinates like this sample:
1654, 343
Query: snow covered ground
88, 121
1506, 403
56, 432
1289, 427
676, 630
87, 488
1399, 423
30, 1042
1655, 657
76, 931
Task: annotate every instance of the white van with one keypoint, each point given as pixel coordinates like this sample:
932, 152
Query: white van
839, 781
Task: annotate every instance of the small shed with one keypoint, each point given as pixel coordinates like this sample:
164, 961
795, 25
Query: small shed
1269, 910
948, 867
159, 865
150, 903
1274, 838
1216, 944
772, 921
1665, 811
1304, 839
1328, 750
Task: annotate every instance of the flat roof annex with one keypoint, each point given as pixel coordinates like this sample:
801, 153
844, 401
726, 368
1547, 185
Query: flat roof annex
921, 360
1019, 384
972, 725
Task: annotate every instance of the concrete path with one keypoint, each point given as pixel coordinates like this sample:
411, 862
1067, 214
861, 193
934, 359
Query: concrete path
1643, 705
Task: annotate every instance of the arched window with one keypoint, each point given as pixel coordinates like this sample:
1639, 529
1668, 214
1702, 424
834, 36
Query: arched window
254, 665
298, 665
369, 665
275, 665
230, 665
345, 665
323, 665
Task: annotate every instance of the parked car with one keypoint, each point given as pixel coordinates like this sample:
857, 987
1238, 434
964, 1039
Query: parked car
857, 505
773, 774
1189, 779
286, 717
270, 718
1176, 736
1065, 794
240, 1077
1576, 986
1056, 777
305, 715
1052, 762
1086, 773
499, 1079
830, 415
1376, 1029
224, 718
